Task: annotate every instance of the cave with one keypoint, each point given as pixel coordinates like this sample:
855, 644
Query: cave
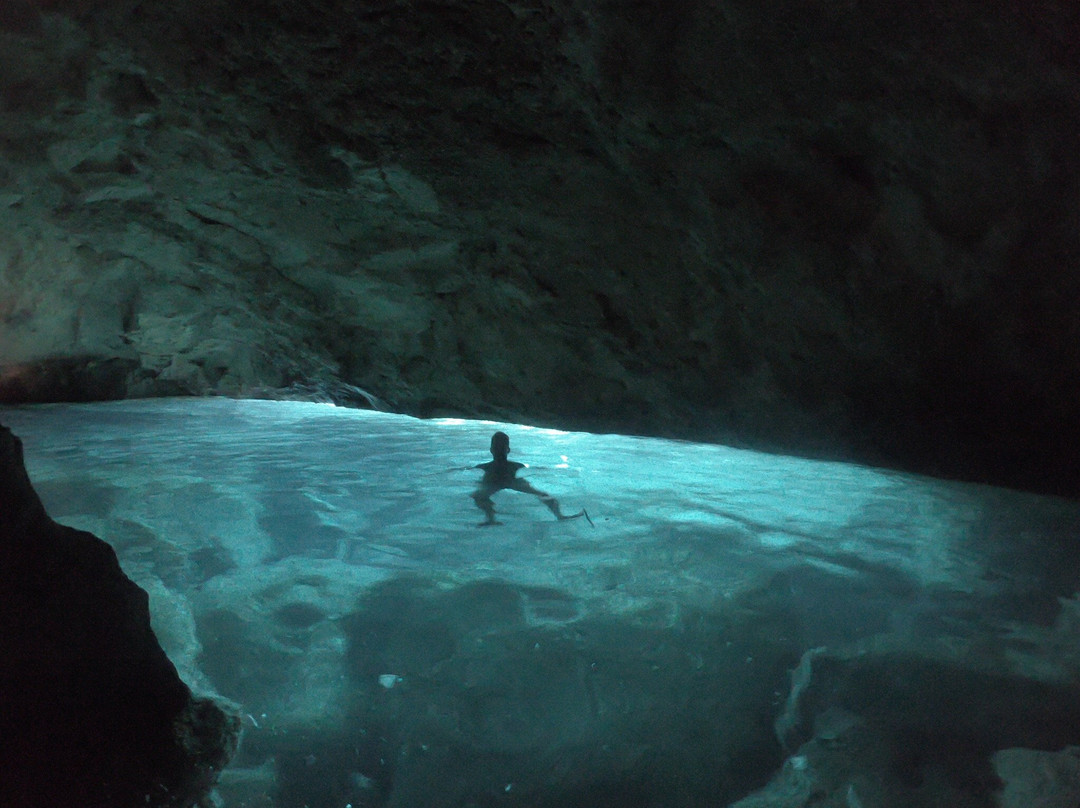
780, 296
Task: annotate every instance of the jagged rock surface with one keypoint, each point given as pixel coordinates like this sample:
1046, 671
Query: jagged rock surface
848, 228
92, 713
899, 725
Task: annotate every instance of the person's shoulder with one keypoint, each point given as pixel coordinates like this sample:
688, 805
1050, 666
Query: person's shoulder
515, 465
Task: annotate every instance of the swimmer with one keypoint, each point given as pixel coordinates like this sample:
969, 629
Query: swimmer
501, 473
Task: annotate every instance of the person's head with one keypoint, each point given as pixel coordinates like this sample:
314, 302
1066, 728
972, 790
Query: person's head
500, 445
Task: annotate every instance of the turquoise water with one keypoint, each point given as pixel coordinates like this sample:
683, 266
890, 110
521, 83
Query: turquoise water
322, 568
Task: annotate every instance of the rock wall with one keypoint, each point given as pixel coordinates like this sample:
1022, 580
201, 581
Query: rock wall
92, 712
844, 229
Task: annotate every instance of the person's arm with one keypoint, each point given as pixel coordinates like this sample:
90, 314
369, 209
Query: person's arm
463, 468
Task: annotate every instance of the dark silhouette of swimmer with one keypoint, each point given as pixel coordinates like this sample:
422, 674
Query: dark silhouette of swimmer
500, 473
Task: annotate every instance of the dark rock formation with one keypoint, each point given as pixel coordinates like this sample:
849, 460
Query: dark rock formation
932, 704
919, 726
846, 229
92, 712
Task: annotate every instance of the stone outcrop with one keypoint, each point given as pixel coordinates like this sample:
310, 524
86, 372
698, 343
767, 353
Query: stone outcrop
92, 712
1046, 779
896, 723
845, 229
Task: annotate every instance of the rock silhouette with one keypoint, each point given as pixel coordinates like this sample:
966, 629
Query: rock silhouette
92, 712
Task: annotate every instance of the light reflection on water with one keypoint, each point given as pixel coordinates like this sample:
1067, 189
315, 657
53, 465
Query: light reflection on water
268, 510
311, 475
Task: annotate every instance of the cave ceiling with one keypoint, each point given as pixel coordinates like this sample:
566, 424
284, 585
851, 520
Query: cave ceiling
833, 229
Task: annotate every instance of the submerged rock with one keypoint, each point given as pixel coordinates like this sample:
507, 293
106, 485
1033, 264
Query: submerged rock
92, 712
925, 725
1035, 779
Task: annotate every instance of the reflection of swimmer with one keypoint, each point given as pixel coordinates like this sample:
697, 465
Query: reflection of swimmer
501, 473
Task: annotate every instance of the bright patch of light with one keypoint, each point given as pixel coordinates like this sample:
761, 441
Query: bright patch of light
375, 493
541, 430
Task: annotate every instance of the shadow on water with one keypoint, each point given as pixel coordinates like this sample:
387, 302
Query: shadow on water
489, 693
495, 694
289, 518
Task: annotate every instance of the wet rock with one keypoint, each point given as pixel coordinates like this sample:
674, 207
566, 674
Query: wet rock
982, 707
1043, 779
910, 726
77, 378
92, 711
